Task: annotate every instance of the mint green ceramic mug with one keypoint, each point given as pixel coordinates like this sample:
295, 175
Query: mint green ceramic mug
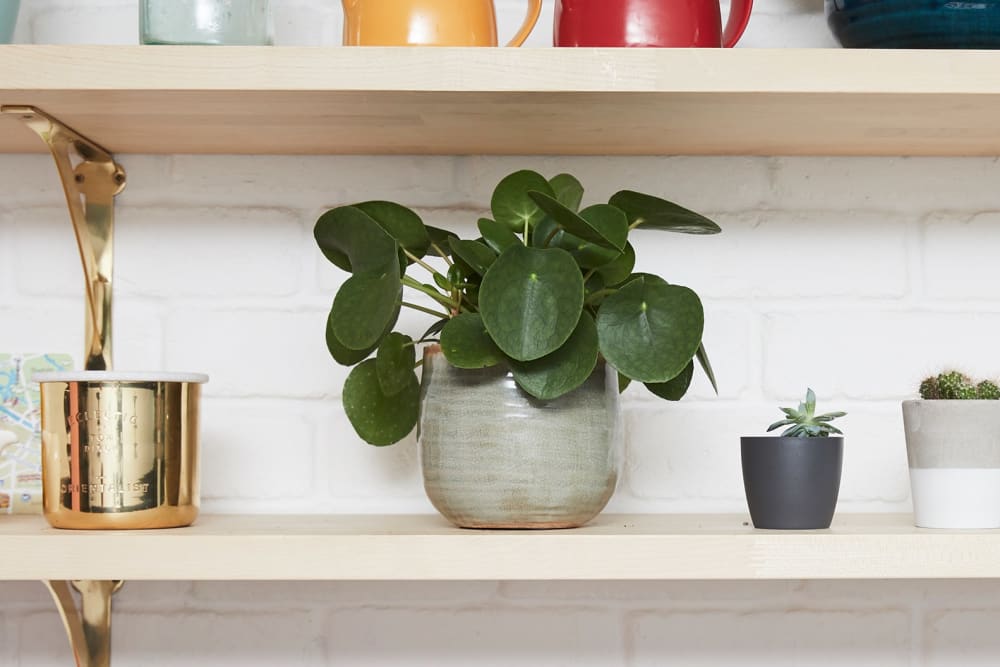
8, 19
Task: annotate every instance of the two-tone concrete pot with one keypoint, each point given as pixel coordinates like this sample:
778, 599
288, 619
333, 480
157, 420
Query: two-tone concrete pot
953, 447
792, 483
494, 457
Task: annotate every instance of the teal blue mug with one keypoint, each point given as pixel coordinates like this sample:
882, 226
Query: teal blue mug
8, 19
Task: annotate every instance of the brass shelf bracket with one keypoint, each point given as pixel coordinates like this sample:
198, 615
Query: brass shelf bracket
89, 629
91, 179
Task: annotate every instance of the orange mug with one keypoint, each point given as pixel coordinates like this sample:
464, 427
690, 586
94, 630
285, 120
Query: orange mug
428, 23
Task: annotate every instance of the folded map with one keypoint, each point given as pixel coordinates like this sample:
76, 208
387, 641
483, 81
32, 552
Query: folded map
20, 430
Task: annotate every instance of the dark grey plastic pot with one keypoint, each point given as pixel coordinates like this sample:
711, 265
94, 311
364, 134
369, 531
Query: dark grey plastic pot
792, 483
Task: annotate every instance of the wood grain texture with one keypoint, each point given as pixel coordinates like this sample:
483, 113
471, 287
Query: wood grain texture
289, 100
426, 547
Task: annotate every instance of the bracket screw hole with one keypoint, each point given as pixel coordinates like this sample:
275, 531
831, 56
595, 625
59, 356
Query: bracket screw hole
79, 178
119, 178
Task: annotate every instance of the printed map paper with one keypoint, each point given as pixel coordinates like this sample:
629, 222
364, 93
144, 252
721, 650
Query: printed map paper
20, 430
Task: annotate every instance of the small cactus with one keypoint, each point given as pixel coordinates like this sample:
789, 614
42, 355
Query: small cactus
987, 391
952, 385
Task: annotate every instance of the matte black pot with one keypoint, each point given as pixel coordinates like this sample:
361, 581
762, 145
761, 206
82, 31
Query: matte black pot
792, 483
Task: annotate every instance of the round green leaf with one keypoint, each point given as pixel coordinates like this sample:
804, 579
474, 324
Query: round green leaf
648, 212
531, 300
466, 343
600, 226
619, 269
650, 330
623, 382
706, 365
565, 369
497, 236
365, 305
548, 234
439, 237
511, 204
476, 255
353, 241
434, 329
343, 355
568, 191
394, 363
400, 223
380, 419
674, 390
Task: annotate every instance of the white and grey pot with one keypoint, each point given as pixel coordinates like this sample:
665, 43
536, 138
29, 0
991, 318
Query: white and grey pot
953, 447
495, 457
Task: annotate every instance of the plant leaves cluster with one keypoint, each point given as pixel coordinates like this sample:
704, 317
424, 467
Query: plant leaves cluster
953, 385
547, 289
805, 423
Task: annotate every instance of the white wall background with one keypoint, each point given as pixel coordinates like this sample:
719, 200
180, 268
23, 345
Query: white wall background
855, 276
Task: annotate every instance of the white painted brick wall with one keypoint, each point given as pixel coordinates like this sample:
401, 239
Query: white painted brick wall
856, 276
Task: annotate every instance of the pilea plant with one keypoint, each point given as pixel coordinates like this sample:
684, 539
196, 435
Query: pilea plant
547, 289
805, 423
952, 385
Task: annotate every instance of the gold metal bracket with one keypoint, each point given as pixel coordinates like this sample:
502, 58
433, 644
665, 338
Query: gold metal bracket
91, 179
89, 629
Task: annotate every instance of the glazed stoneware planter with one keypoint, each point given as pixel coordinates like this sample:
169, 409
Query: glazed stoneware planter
953, 449
792, 483
494, 457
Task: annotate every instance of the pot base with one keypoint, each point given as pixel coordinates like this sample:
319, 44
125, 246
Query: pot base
956, 498
552, 525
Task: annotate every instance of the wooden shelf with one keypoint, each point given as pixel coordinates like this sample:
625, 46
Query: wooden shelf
425, 547
283, 100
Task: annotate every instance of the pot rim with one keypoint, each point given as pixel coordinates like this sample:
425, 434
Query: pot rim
119, 376
806, 440
976, 401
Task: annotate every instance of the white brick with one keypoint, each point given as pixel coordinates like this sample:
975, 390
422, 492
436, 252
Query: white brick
42, 640
279, 637
787, 31
688, 455
8, 640
962, 637
52, 326
671, 594
312, 182
254, 353
356, 470
256, 451
483, 637
872, 354
47, 261
905, 185
265, 595
794, 638
91, 24
16, 595
774, 254
209, 252
958, 262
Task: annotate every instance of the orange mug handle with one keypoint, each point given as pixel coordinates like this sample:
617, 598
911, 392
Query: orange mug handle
534, 11
739, 17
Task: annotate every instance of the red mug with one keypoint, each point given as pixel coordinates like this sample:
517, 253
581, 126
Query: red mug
679, 23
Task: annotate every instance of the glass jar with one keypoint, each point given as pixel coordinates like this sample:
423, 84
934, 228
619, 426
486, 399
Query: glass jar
219, 22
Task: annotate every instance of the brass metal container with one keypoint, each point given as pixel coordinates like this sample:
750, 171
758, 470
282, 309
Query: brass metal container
120, 450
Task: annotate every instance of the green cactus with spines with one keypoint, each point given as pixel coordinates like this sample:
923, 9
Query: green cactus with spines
953, 385
987, 391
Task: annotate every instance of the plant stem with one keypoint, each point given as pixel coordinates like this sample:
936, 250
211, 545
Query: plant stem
417, 260
442, 254
636, 224
548, 239
429, 291
590, 274
418, 364
600, 293
527, 241
435, 313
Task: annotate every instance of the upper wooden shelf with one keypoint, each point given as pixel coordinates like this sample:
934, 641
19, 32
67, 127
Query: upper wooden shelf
425, 547
283, 100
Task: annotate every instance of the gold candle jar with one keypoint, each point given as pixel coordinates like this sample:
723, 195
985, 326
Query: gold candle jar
120, 450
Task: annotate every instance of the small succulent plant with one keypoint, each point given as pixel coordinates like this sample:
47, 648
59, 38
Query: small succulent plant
953, 385
805, 423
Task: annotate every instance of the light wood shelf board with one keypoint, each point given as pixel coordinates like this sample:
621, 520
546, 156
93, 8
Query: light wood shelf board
287, 100
425, 547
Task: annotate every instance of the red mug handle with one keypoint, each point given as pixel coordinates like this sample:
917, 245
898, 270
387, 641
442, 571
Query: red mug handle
739, 17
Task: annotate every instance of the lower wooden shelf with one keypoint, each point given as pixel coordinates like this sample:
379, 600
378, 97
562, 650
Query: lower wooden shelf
425, 547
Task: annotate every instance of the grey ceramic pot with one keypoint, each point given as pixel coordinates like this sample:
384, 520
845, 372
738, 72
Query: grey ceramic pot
494, 457
792, 483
